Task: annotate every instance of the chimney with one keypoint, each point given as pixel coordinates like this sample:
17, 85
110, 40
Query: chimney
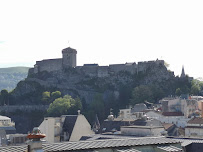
35, 144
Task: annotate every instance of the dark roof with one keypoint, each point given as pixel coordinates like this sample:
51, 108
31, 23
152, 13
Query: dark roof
152, 122
69, 49
9, 129
69, 123
96, 144
196, 120
172, 114
110, 125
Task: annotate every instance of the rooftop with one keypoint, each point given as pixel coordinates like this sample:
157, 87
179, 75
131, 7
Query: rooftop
196, 120
96, 144
172, 114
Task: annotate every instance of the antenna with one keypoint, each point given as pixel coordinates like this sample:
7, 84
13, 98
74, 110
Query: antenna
68, 43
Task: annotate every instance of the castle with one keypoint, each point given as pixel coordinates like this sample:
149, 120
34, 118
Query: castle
68, 60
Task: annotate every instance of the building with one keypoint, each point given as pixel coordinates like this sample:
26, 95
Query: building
176, 118
16, 139
194, 127
69, 60
187, 106
7, 125
65, 128
142, 131
183, 75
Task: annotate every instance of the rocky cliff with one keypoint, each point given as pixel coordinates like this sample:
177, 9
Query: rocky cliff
77, 83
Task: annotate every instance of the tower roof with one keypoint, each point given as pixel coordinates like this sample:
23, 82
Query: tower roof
69, 50
183, 72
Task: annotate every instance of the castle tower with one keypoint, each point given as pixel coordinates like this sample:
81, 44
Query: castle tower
69, 57
183, 73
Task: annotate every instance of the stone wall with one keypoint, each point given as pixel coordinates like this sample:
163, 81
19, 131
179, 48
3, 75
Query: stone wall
48, 65
24, 108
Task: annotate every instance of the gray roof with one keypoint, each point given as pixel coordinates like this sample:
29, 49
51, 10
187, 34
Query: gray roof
96, 144
152, 122
170, 148
127, 150
185, 142
139, 107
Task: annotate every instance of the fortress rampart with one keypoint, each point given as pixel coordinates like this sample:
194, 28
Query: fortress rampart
94, 70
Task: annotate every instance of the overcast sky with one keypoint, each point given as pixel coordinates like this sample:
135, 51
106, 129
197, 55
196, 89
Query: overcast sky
103, 31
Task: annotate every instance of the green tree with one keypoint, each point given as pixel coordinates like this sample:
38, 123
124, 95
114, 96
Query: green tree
46, 97
178, 92
195, 89
96, 107
64, 106
55, 95
140, 94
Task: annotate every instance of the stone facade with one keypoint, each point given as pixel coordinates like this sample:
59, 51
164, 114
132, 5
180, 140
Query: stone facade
94, 70
68, 60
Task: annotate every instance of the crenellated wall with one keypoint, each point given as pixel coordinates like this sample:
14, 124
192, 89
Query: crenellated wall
93, 70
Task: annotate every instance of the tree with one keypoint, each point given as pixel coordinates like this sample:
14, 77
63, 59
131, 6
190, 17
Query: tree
64, 106
96, 107
46, 96
55, 95
140, 94
195, 89
178, 92
4, 96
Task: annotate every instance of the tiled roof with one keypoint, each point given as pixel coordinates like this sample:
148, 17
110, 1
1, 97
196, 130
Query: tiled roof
172, 114
96, 144
196, 120
186, 141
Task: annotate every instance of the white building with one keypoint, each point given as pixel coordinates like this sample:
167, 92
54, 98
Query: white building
194, 128
169, 117
142, 131
6, 121
187, 106
65, 128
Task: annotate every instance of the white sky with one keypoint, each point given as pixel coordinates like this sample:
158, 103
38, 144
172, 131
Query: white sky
103, 31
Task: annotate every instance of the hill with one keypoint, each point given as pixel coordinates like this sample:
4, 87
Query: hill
98, 93
9, 77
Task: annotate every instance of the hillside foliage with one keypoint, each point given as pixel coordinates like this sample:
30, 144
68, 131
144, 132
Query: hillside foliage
9, 77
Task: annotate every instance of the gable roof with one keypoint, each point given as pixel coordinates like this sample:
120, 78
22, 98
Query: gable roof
167, 125
196, 120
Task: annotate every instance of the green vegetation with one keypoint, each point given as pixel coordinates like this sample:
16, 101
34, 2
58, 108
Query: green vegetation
64, 106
